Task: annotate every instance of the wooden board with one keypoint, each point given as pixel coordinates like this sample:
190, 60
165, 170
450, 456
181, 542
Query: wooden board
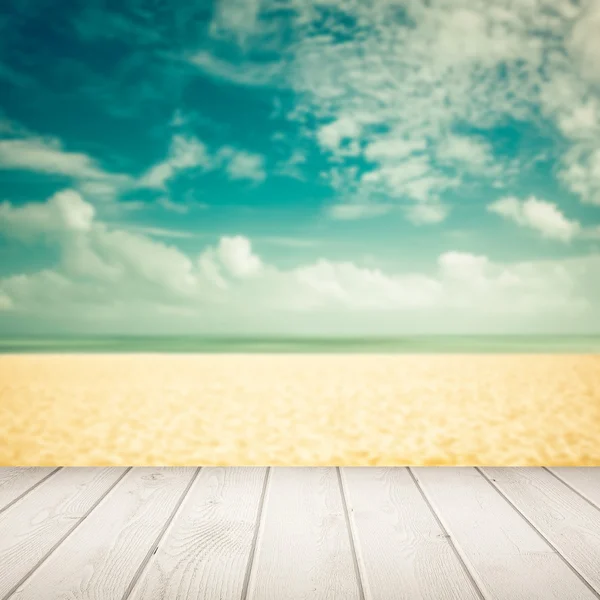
565, 519
403, 552
506, 556
206, 550
303, 548
102, 557
30, 529
585, 480
16, 481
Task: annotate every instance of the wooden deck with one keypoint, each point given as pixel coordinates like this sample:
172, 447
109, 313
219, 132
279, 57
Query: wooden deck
299, 533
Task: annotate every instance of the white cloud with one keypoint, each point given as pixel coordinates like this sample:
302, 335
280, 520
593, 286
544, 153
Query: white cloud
235, 253
46, 155
332, 134
361, 288
426, 214
351, 212
463, 266
584, 41
185, 153
290, 242
389, 81
472, 153
539, 215
240, 164
245, 74
106, 273
158, 231
385, 149
237, 17
581, 173
171, 206
65, 211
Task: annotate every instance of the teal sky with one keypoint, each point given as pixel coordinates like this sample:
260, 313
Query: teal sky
284, 166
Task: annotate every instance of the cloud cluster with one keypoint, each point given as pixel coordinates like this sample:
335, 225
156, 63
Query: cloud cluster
64, 211
187, 152
115, 274
414, 90
48, 156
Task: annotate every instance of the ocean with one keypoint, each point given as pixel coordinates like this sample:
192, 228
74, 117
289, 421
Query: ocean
490, 344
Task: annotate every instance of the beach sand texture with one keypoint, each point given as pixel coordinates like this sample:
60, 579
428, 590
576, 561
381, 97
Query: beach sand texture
299, 410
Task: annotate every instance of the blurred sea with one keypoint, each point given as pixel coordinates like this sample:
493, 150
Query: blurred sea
498, 344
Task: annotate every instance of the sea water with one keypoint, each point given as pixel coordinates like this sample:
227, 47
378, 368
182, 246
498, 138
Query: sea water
476, 344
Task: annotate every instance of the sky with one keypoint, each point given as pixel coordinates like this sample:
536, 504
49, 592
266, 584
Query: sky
321, 167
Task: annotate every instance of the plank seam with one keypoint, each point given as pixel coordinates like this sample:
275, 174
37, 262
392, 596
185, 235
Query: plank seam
359, 580
462, 561
573, 489
64, 537
35, 485
257, 528
137, 575
554, 548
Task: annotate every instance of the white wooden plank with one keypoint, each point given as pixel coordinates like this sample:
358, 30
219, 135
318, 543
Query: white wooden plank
101, 558
506, 556
206, 550
586, 480
303, 548
403, 552
16, 481
30, 528
565, 519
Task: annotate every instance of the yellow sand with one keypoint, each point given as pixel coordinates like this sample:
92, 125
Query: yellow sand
299, 410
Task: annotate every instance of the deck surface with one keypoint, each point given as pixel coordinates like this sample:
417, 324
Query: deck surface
279, 533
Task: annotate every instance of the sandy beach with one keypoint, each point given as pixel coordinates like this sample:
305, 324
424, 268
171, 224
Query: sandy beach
168, 409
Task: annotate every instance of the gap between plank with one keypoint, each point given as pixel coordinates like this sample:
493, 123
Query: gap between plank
514, 506
446, 533
259, 523
574, 490
64, 537
29, 489
359, 581
160, 536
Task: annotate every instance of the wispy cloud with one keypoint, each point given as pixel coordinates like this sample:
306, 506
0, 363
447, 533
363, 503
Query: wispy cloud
539, 215
358, 210
48, 156
171, 206
244, 74
240, 164
158, 231
185, 153
289, 242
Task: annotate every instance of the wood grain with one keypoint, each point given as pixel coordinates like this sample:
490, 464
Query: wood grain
206, 550
403, 551
586, 480
16, 481
102, 556
303, 548
565, 519
506, 556
31, 528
